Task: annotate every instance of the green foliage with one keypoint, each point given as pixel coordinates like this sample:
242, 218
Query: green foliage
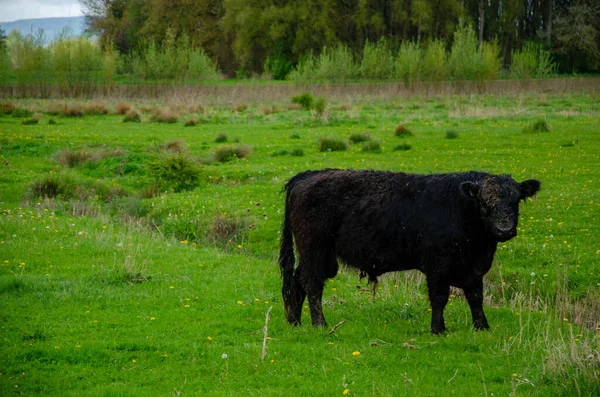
332, 145
35, 119
434, 64
376, 61
305, 100
333, 65
177, 172
18, 112
491, 61
407, 64
531, 61
319, 106
297, 152
464, 62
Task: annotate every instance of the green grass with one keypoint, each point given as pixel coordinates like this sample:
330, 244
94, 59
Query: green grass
144, 294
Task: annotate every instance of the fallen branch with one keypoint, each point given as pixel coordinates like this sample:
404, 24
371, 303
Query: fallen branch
336, 327
265, 332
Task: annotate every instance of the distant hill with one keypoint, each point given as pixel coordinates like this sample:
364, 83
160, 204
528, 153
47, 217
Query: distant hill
52, 27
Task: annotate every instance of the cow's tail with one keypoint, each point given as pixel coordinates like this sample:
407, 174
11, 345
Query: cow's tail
286, 251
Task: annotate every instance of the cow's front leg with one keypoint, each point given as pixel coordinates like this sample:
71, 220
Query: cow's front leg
438, 297
474, 295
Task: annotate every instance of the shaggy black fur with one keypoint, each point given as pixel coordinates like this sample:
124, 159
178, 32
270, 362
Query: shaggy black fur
445, 225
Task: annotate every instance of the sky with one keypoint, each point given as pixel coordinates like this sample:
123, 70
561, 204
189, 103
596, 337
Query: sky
12, 10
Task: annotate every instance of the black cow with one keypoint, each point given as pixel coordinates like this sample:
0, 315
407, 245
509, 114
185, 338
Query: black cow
445, 225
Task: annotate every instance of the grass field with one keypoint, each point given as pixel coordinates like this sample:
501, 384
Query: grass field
117, 279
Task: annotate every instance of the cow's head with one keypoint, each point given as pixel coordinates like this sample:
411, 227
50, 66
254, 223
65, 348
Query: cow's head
498, 197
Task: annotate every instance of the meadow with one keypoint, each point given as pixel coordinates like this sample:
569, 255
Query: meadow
140, 258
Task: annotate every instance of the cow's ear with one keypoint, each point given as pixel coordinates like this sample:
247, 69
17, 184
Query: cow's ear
470, 189
529, 188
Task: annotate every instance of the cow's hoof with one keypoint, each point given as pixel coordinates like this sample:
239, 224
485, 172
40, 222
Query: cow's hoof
481, 326
438, 331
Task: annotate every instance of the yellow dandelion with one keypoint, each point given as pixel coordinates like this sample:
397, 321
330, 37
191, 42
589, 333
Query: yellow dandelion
152, 318
356, 353
346, 391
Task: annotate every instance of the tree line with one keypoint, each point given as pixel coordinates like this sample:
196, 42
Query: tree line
246, 37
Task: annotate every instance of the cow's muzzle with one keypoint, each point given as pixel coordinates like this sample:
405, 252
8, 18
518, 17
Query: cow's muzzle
505, 234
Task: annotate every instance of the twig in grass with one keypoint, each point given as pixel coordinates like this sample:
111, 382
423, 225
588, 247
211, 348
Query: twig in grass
335, 327
157, 228
483, 379
453, 376
265, 332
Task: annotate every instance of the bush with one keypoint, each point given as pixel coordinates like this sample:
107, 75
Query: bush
164, 116
465, 61
402, 147
7, 107
319, 106
538, 126
332, 145
407, 64
228, 152
451, 134
227, 230
174, 146
122, 108
402, 131
132, 116
531, 61
175, 172
72, 110
72, 158
221, 138
21, 113
35, 119
96, 108
358, 138
190, 123
371, 146
434, 64
377, 61
67, 187
305, 100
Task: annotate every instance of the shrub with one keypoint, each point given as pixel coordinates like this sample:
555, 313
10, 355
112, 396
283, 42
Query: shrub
35, 119
402, 147
376, 61
538, 126
174, 171
132, 116
465, 61
434, 64
491, 61
451, 134
319, 106
407, 64
96, 108
358, 138
228, 152
402, 131
72, 158
531, 61
191, 122
332, 145
221, 138
174, 146
164, 116
54, 108
51, 187
21, 113
371, 146
7, 107
305, 100
72, 110
227, 230
122, 108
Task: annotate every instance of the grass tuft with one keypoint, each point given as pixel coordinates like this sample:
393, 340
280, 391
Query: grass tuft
451, 134
332, 145
537, 127
229, 152
164, 116
97, 108
402, 131
122, 108
359, 138
371, 146
402, 147
132, 116
72, 110
221, 138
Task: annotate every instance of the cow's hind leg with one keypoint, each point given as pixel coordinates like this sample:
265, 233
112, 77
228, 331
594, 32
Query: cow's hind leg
474, 295
297, 296
438, 297
312, 278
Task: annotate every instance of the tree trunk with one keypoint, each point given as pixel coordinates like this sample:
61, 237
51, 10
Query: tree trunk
482, 4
